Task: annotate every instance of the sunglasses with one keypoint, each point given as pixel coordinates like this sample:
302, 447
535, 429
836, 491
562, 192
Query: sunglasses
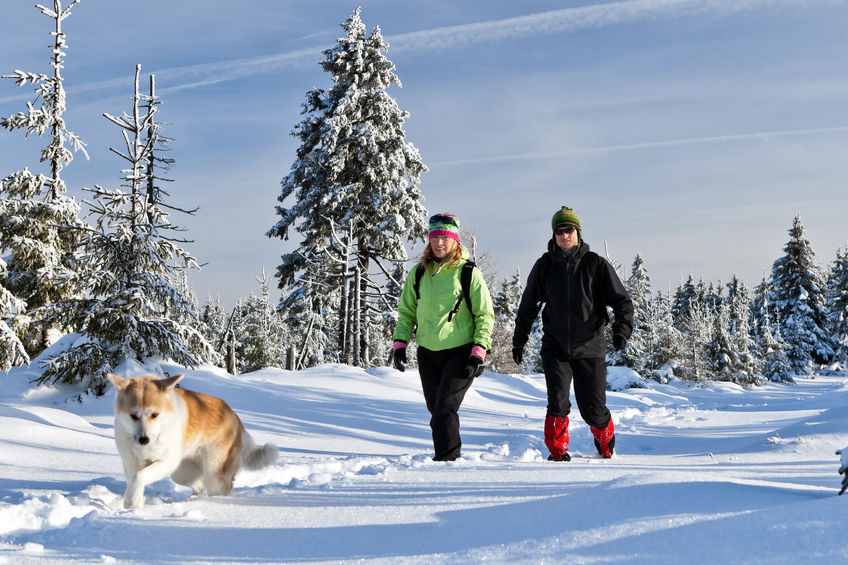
565, 230
440, 219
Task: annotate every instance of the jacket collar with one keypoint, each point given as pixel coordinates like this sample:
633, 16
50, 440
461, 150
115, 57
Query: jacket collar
435, 266
582, 249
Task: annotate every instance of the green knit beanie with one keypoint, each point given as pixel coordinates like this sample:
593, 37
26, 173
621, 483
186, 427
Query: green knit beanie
565, 216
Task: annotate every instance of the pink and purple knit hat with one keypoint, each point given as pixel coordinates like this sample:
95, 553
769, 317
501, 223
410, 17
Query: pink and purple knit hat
444, 225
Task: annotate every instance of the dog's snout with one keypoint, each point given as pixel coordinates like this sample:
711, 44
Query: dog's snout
144, 440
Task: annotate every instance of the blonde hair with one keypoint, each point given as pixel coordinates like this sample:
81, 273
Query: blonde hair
451, 258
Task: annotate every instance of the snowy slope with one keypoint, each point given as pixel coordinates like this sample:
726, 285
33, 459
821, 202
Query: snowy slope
717, 474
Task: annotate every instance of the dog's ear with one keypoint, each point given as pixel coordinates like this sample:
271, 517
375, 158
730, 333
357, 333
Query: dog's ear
120, 384
167, 385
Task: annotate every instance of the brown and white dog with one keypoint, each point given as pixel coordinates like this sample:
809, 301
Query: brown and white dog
197, 439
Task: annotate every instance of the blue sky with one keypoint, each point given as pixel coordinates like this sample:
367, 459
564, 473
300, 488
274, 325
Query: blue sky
690, 132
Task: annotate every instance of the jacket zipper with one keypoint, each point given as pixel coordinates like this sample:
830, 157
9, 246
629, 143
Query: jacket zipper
568, 308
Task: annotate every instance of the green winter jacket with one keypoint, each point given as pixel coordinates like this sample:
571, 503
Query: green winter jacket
440, 288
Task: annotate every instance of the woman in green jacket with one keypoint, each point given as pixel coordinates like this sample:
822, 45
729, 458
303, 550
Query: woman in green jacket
452, 336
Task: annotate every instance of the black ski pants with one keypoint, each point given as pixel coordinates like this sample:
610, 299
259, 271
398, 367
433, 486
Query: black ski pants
444, 381
590, 386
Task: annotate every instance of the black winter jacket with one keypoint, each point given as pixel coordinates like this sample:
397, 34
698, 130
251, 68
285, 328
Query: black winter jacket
575, 291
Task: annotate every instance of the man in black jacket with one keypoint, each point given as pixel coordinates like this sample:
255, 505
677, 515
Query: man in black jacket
575, 285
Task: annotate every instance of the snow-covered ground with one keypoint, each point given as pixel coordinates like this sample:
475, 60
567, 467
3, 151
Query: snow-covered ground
718, 474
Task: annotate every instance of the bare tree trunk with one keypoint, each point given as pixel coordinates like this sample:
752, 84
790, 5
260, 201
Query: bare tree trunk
151, 133
345, 308
302, 355
230, 356
344, 326
361, 303
291, 358
357, 320
59, 95
228, 341
136, 155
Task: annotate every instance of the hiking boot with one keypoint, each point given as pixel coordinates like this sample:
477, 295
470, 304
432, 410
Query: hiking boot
605, 439
556, 436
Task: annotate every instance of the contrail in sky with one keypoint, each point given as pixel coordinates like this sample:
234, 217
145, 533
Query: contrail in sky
567, 20
762, 136
570, 20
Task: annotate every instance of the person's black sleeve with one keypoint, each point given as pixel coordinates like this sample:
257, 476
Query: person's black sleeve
616, 297
528, 309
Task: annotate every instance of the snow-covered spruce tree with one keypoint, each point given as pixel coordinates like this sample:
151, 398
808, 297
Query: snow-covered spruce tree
533, 349
759, 319
130, 305
316, 306
775, 362
213, 322
656, 339
39, 224
12, 351
642, 341
696, 327
837, 306
191, 313
727, 350
758, 314
797, 299
720, 356
353, 170
669, 340
261, 331
711, 295
738, 305
683, 297
505, 302
308, 311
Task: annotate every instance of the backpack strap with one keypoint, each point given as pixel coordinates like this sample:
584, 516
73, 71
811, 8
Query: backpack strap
416, 286
465, 284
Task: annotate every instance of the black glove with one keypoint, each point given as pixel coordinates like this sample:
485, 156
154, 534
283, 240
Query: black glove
518, 355
474, 367
399, 359
619, 341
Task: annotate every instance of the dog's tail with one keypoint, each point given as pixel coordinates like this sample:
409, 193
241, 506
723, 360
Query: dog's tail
255, 457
